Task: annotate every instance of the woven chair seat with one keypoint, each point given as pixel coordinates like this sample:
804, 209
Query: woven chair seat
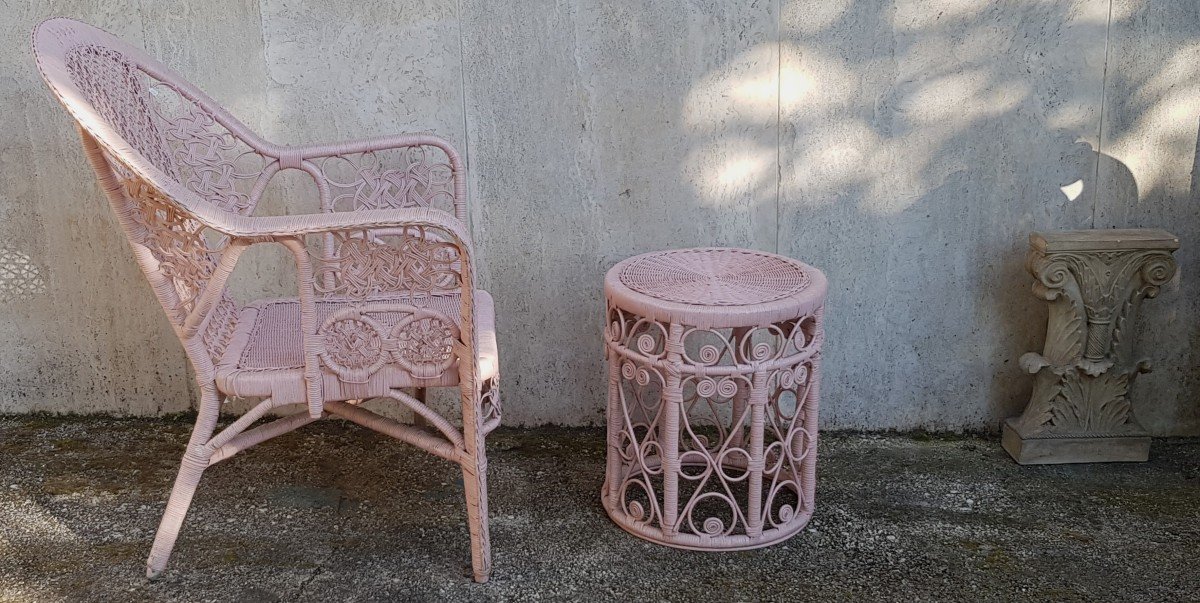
265, 356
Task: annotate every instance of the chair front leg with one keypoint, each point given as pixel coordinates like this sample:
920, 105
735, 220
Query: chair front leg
195, 461
474, 468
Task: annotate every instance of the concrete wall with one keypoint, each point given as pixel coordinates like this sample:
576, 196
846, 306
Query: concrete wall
907, 147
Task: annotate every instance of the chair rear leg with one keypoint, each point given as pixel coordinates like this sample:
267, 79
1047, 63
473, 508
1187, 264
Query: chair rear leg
422, 396
177, 508
195, 460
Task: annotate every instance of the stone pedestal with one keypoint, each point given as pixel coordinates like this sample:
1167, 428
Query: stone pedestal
1094, 281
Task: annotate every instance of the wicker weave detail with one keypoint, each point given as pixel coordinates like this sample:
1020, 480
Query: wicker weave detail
418, 176
220, 327
178, 243
363, 263
357, 345
715, 277
119, 92
275, 343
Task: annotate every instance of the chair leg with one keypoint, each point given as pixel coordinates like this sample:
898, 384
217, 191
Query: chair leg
195, 460
177, 508
475, 484
422, 396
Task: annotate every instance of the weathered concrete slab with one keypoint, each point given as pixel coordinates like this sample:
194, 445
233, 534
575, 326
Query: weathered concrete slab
921, 141
597, 131
216, 45
74, 329
335, 513
1150, 180
920, 145
355, 69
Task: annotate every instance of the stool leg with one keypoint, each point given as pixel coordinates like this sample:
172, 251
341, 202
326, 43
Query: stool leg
808, 481
671, 407
758, 403
812, 399
615, 426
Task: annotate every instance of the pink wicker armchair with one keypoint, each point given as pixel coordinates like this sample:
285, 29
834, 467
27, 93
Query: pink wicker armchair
386, 297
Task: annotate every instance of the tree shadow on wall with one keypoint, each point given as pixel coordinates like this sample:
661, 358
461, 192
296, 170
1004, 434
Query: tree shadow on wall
1021, 316
959, 155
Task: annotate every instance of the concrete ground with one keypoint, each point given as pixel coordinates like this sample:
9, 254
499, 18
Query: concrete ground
334, 512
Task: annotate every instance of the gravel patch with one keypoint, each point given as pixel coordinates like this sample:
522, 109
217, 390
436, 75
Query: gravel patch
334, 512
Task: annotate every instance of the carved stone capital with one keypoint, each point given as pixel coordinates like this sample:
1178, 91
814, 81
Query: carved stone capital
1094, 281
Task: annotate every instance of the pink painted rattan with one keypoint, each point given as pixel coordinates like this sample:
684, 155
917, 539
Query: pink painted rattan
714, 368
385, 274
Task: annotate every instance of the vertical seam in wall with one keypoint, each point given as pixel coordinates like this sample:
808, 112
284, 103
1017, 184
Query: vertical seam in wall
1100, 130
462, 82
778, 116
187, 378
266, 90
265, 98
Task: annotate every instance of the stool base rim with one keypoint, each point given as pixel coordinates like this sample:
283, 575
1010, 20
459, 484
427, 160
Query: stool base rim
693, 542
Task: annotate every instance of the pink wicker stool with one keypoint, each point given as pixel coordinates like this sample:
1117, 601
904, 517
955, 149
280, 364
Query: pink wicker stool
713, 373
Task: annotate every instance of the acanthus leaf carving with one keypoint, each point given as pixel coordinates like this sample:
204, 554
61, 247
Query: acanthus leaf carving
1092, 293
1084, 373
1040, 411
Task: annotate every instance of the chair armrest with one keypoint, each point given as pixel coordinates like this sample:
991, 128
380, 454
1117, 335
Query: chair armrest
366, 145
258, 228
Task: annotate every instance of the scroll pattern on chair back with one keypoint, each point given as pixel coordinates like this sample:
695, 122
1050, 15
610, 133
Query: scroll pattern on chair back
134, 112
410, 261
425, 175
375, 268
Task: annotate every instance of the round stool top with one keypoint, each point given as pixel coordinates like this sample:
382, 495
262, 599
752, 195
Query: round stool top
715, 287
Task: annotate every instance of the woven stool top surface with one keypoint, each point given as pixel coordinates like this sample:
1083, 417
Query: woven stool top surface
715, 287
